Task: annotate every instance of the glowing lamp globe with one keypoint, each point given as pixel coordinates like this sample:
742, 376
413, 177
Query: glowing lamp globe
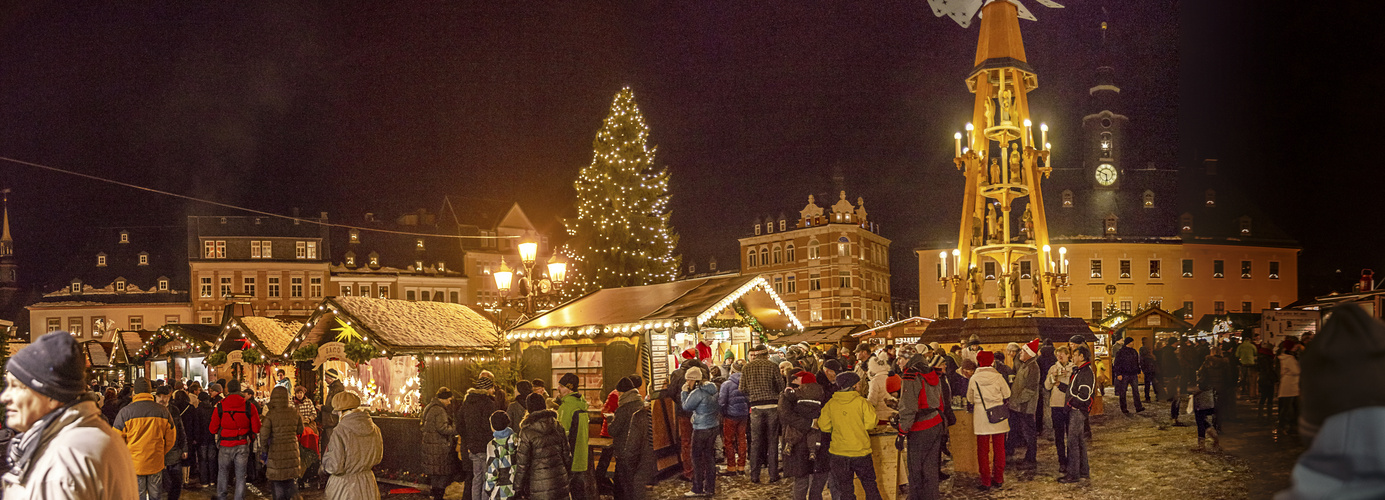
528, 251
504, 277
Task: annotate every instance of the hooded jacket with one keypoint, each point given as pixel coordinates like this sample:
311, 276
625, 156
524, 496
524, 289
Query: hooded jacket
282, 424
630, 438
1024, 391
734, 404
473, 420
79, 455
850, 418
356, 448
500, 460
437, 433
569, 406
702, 403
987, 389
1344, 460
677, 379
542, 458
148, 431
798, 407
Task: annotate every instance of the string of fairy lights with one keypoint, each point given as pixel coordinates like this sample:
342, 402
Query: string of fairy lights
621, 234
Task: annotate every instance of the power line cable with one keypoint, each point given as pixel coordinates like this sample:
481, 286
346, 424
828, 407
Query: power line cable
251, 210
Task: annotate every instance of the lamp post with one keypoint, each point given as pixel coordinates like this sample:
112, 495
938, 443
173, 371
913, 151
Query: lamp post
532, 292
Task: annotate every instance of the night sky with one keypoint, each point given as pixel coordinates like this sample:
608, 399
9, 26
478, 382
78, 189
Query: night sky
350, 108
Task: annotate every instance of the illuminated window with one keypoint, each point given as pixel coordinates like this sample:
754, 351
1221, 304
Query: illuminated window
205, 287
1149, 199
1211, 198
144, 258
163, 285
1218, 269
384, 291
124, 236
1096, 268
74, 326
1274, 270
1245, 225
100, 260
1125, 306
1187, 309
846, 310
312, 249
1026, 269
1185, 224
1125, 268
989, 270
55, 324
843, 246
365, 290
1154, 269
1187, 268
1067, 198
355, 236
419, 243
813, 249
301, 249
225, 286
1111, 224
1245, 269
120, 285
778, 284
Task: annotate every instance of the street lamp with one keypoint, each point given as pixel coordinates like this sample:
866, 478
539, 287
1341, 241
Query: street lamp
533, 292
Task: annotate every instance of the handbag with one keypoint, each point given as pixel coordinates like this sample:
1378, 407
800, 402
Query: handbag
995, 415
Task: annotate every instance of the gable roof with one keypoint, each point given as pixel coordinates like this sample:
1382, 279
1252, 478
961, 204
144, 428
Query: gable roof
270, 336
1167, 321
401, 326
1002, 330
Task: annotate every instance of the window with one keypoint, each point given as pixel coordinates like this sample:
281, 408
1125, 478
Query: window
418, 243
346, 290
315, 287
173, 319
750, 258
384, 291
1096, 309
455, 296
1211, 198
365, 290
1218, 269
1125, 306
136, 322
769, 227
410, 295
1096, 268
1111, 224
374, 260
1245, 269
273, 286
267, 249
206, 285
1105, 143
163, 285
261, 249
1245, 307
1187, 309
143, 259
124, 236
778, 254
442, 267
248, 285
355, 236
55, 324
846, 310
793, 284
418, 266
296, 287
1125, 268
214, 249
1274, 305
1218, 307
789, 254
120, 285
778, 284
757, 229
844, 279
225, 286
100, 260
989, 270
1026, 269
301, 250
74, 326
206, 320
813, 249
764, 256
843, 247
350, 260
1064, 309
939, 268
1187, 268
1154, 269
783, 224
814, 282
1245, 225
255, 252
1149, 199
1067, 198
1274, 270
312, 249
942, 311
1185, 223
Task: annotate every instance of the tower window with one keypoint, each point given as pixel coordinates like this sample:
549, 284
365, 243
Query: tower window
1106, 123
1067, 198
1111, 225
1106, 144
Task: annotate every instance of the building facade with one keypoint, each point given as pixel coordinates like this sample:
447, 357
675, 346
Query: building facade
279, 266
1134, 235
407, 259
830, 266
122, 279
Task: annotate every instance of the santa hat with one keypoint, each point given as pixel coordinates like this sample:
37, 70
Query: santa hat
985, 358
1032, 348
704, 351
806, 377
689, 353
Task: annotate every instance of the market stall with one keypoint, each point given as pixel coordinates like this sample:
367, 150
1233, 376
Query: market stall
99, 362
174, 351
905, 331
611, 333
821, 337
1152, 325
252, 349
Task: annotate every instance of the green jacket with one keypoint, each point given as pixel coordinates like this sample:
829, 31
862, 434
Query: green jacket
1246, 353
850, 418
567, 406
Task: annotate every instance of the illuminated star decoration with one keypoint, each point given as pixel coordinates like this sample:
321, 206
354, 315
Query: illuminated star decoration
348, 332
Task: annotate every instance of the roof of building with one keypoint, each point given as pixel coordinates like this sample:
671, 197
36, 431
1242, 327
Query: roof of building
819, 335
401, 325
269, 334
398, 253
1003, 330
1236, 321
1166, 321
98, 353
166, 255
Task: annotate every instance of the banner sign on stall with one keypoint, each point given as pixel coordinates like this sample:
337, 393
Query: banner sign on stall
234, 357
329, 351
658, 359
740, 334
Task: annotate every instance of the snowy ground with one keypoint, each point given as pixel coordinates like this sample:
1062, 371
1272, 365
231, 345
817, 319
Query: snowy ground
1132, 457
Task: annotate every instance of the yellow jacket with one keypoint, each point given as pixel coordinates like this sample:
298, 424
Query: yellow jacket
850, 418
148, 430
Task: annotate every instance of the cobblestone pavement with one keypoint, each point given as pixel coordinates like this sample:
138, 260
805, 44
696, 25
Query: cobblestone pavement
1132, 457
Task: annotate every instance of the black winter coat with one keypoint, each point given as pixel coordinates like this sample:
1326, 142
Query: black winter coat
1169, 366
473, 420
541, 458
1127, 362
438, 432
631, 439
805, 451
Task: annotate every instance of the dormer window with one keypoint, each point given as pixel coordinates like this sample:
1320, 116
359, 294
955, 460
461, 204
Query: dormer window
120, 285
1067, 198
419, 243
1245, 225
100, 260
144, 258
1149, 199
418, 266
163, 284
757, 230
374, 261
1185, 223
76, 287
1211, 198
124, 236
783, 224
355, 236
350, 260
769, 227
442, 268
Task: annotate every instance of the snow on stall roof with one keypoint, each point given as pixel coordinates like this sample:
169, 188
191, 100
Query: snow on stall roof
273, 334
403, 324
97, 354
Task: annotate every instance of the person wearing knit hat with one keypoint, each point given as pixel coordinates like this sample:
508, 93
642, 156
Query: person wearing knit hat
472, 422
849, 418
327, 418
1343, 381
1126, 370
72, 448
572, 415
437, 433
1024, 403
356, 448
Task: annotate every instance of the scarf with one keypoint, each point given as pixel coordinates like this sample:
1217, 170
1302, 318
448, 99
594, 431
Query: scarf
26, 445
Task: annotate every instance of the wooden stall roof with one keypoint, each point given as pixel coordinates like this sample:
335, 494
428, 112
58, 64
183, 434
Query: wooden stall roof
911, 327
666, 301
98, 353
1002, 330
402, 325
819, 335
272, 336
1239, 321
1166, 320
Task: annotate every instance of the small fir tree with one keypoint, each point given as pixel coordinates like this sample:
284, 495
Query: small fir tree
621, 236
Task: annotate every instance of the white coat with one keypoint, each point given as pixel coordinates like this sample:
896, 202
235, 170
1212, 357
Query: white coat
1288, 376
1059, 373
355, 449
84, 459
991, 385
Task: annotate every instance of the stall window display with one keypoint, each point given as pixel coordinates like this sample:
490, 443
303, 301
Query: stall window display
385, 384
585, 362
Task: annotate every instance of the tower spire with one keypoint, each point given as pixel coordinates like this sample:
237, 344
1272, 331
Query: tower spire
6, 242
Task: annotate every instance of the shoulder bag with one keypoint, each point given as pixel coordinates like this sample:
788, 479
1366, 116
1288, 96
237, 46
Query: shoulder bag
995, 415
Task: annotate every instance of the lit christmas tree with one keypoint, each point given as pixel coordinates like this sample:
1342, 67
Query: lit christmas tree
621, 235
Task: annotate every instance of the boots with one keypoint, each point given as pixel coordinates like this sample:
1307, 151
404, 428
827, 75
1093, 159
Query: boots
1216, 440
1200, 445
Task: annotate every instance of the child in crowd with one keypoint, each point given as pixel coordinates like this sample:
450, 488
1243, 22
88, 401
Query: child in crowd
499, 458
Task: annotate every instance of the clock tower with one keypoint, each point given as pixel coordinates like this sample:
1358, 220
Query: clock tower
1103, 130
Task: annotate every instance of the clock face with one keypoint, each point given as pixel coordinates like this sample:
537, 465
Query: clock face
1106, 174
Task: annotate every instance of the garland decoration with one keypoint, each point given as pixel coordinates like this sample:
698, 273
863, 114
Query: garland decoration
216, 359
360, 352
306, 353
252, 357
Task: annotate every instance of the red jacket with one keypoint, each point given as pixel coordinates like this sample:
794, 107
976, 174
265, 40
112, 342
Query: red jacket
233, 421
